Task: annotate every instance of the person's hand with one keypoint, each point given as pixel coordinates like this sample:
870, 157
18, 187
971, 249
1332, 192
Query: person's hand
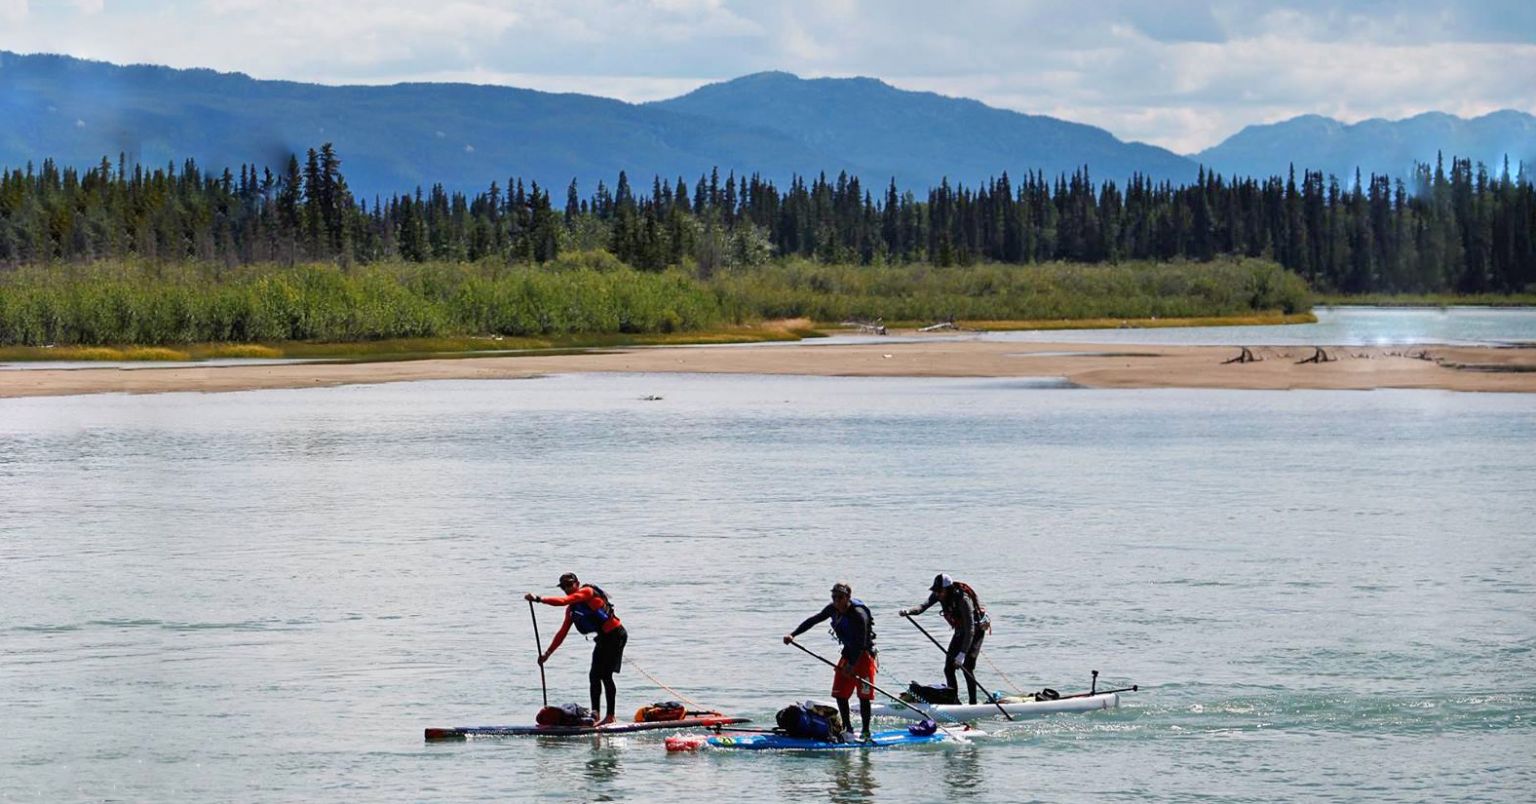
788, 638
905, 613
543, 657
960, 660
532, 598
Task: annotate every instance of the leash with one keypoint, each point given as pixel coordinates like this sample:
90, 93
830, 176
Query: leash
674, 693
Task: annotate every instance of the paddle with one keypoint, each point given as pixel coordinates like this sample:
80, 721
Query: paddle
818, 657
539, 643
965, 670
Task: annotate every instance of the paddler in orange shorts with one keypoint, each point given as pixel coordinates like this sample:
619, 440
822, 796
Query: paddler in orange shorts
854, 627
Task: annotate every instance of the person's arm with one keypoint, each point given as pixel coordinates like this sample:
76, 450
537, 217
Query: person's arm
810, 622
565, 628
583, 595
932, 599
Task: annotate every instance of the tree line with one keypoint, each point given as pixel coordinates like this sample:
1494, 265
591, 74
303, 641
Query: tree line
1461, 229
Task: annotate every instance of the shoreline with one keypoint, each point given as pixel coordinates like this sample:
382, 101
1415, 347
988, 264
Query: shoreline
1452, 368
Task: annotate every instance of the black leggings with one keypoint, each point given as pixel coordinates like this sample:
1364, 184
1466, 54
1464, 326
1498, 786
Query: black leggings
970, 663
607, 657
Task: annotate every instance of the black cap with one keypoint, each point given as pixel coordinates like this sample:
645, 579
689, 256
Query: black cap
569, 577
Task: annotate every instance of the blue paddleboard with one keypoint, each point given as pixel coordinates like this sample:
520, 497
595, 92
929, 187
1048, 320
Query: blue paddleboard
779, 742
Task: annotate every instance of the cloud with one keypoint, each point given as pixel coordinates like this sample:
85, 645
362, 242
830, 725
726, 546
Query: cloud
1180, 73
13, 11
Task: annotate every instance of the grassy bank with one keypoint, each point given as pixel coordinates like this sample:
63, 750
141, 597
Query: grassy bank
409, 348
1273, 318
112, 310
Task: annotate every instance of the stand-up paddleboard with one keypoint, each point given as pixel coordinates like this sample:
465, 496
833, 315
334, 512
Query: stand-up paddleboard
781, 742
465, 732
950, 713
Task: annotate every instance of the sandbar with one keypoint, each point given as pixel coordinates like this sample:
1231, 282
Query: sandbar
1455, 368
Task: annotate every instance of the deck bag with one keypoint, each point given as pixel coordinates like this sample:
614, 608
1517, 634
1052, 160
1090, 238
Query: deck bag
661, 710
567, 715
1047, 694
933, 694
923, 728
811, 721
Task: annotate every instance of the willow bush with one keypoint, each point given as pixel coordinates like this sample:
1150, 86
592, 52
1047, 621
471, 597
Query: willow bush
135, 304
1009, 292
591, 293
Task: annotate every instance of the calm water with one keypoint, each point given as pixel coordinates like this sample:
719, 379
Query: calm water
267, 595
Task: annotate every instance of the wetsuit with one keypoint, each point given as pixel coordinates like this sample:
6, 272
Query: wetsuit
591, 614
968, 635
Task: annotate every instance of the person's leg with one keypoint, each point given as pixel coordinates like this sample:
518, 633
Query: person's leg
866, 668
842, 709
951, 666
611, 645
970, 663
612, 691
595, 683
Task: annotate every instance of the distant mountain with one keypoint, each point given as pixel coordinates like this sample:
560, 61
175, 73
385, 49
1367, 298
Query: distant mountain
921, 137
391, 138
1382, 146
394, 138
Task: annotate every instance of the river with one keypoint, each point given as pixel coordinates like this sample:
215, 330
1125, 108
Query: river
267, 595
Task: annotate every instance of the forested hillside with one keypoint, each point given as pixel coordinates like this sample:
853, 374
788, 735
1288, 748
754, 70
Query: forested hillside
1454, 227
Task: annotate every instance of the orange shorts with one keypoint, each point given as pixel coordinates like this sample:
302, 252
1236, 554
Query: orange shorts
843, 681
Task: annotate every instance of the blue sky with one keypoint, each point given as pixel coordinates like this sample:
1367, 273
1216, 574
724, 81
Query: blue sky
1179, 73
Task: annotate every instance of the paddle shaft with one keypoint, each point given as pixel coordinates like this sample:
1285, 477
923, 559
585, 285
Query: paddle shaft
818, 657
1132, 688
539, 643
963, 669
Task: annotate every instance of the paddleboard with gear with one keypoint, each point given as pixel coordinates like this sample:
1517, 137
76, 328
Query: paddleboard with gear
533, 730
783, 742
1022, 707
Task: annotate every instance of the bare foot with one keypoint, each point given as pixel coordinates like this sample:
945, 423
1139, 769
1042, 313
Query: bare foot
605, 721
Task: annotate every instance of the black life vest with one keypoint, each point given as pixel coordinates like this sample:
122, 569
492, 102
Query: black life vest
587, 619
843, 625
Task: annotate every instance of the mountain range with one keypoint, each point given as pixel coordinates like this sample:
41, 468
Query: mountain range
1389, 147
396, 138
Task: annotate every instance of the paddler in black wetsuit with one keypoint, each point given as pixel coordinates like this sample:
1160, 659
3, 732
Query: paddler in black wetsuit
964, 613
854, 627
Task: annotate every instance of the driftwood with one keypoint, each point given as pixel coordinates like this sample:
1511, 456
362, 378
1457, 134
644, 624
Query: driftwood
948, 324
875, 327
1318, 356
1245, 356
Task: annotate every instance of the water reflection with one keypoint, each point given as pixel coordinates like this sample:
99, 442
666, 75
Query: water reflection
963, 777
602, 770
852, 777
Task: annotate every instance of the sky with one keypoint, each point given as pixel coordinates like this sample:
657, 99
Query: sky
1183, 74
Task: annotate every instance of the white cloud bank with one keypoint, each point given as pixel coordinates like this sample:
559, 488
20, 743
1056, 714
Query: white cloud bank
1180, 73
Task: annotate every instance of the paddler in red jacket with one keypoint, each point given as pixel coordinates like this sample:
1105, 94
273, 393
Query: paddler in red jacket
587, 607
